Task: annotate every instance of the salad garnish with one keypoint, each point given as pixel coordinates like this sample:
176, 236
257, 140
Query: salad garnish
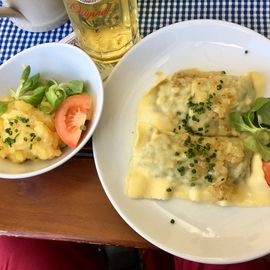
47, 95
256, 124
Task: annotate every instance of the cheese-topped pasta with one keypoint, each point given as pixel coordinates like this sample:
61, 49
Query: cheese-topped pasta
197, 102
168, 165
185, 146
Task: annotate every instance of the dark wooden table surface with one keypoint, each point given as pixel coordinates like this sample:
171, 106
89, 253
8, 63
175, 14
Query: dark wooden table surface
67, 203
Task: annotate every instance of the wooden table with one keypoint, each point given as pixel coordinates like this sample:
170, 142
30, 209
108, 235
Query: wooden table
67, 203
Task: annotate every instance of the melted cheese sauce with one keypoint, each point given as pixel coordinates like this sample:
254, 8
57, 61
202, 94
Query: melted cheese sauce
258, 82
252, 191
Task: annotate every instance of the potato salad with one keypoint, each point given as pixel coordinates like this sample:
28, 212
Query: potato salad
27, 133
41, 117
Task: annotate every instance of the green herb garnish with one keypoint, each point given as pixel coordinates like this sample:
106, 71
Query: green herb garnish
82, 127
190, 153
209, 178
256, 125
24, 119
194, 118
35, 96
8, 131
3, 107
211, 166
181, 170
38, 92
9, 141
219, 87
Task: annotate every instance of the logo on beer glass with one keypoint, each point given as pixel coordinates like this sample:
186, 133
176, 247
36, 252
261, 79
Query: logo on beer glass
86, 13
97, 16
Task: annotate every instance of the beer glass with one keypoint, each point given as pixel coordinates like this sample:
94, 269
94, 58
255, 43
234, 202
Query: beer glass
105, 29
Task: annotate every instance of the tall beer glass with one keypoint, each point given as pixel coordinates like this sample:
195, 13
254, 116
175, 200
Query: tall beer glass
105, 29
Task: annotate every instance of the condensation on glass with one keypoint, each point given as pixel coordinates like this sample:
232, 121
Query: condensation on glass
105, 29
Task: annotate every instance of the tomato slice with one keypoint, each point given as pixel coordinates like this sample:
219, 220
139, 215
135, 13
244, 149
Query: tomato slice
70, 117
266, 170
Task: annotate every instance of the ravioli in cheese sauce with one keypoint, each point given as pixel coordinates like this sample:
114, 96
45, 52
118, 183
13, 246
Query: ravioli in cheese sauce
185, 147
198, 102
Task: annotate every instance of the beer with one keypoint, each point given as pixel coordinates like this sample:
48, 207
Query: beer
105, 29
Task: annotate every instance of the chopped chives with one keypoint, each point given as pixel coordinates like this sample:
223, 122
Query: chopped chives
219, 87
190, 153
181, 170
82, 127
172, 221
209, 178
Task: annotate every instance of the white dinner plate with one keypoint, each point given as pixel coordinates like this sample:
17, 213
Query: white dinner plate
202, 232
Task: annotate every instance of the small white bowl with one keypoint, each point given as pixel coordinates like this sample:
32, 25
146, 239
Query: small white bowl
63, 63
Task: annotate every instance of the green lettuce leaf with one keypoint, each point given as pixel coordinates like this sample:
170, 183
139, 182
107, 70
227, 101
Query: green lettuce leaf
35, 96
256, 123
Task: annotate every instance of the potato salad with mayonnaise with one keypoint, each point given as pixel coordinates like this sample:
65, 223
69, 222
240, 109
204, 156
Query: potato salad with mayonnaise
27, 133
41, 117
